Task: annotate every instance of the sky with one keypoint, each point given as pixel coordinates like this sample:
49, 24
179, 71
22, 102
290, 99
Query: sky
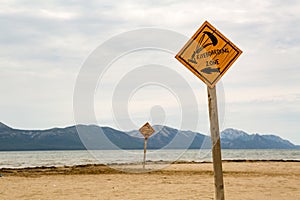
44, 44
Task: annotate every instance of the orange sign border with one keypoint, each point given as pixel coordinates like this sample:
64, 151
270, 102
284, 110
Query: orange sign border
192, 69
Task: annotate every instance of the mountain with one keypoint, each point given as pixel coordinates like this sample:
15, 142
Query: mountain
64, 138
95, 137
236, 139
170, 138
3, 127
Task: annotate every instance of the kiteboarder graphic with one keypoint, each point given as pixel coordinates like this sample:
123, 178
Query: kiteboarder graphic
199, 48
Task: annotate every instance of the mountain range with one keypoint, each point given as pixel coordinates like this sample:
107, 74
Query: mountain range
96, 137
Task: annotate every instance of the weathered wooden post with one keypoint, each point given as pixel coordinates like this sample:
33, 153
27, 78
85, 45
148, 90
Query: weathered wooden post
215, 140
145, 149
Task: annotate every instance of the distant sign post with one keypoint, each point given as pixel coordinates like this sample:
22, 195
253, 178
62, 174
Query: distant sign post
146, 130
209, 54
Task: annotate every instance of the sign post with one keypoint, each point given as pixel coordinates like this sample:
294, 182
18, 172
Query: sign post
209, 54
146, 130
215, 140
145, 149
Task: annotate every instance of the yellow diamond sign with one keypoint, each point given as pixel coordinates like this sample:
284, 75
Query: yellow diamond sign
208, 54
146, 130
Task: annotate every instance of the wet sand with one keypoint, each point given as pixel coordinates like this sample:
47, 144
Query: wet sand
243, 180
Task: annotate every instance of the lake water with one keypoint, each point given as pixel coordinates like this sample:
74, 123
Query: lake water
20, 159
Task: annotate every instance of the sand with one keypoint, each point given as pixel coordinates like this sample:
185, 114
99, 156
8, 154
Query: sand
243, 180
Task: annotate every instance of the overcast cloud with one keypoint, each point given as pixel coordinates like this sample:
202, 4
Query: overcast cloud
43, 45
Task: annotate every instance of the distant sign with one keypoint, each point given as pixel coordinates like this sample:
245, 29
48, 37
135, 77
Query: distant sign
146, 130
208, 54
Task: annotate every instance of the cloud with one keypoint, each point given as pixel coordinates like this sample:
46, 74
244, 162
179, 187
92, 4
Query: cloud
43, 44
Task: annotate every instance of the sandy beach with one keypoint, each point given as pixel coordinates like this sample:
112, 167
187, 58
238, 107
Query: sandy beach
243, 180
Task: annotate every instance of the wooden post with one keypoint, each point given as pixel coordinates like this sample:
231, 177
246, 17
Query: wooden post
216, 146
145, 147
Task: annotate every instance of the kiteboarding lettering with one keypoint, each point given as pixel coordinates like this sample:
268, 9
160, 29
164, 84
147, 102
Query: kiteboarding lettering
213, 52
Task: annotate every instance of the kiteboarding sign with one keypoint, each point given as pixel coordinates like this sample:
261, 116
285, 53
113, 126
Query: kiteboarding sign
208, 54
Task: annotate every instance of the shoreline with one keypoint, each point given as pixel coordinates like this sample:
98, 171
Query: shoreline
154, 149
153, 167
